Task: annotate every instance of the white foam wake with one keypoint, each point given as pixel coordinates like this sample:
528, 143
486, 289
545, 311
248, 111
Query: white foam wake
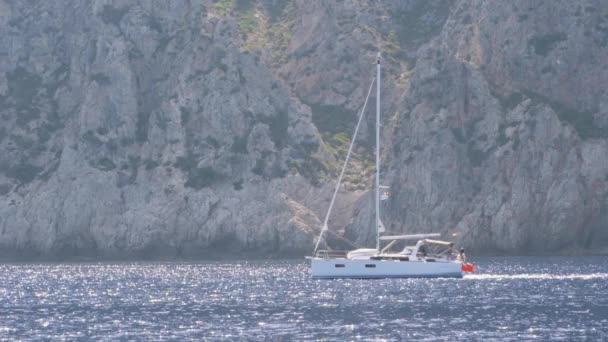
538, 276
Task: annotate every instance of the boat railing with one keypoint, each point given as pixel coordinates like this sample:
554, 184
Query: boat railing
324, 254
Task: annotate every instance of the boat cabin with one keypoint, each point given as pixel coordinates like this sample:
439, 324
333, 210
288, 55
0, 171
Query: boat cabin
425, 250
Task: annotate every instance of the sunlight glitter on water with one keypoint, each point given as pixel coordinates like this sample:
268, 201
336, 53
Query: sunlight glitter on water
513, 299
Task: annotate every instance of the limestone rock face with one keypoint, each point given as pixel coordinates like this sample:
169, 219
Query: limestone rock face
502, 134
217, 128
136, 129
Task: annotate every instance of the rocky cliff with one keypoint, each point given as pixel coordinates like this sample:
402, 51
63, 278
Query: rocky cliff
503, 133
209, 128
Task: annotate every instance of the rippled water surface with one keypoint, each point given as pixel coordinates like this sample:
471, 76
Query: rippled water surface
557, 298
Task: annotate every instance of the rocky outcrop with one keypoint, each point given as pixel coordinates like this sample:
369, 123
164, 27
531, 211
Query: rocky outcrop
146, 130
501, 136
216, 128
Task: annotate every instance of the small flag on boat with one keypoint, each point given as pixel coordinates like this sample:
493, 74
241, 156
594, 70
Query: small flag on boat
381, 228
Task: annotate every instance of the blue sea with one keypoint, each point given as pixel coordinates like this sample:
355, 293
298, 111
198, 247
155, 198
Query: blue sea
508, 299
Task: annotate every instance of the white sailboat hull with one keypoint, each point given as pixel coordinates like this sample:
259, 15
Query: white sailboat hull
345, 268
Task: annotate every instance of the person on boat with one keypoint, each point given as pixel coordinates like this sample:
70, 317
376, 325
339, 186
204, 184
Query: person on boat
461, 256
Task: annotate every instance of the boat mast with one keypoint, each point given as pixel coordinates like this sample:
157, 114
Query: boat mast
378, 65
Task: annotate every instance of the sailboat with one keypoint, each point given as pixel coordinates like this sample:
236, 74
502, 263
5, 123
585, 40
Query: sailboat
428, 257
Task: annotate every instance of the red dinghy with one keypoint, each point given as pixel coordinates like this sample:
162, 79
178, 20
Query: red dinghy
468, 267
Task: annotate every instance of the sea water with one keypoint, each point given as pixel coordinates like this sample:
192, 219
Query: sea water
508, 298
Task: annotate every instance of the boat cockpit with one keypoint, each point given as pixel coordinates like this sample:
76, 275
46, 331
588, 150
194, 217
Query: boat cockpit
426, 250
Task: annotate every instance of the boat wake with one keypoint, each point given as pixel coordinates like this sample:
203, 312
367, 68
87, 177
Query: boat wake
538, 276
